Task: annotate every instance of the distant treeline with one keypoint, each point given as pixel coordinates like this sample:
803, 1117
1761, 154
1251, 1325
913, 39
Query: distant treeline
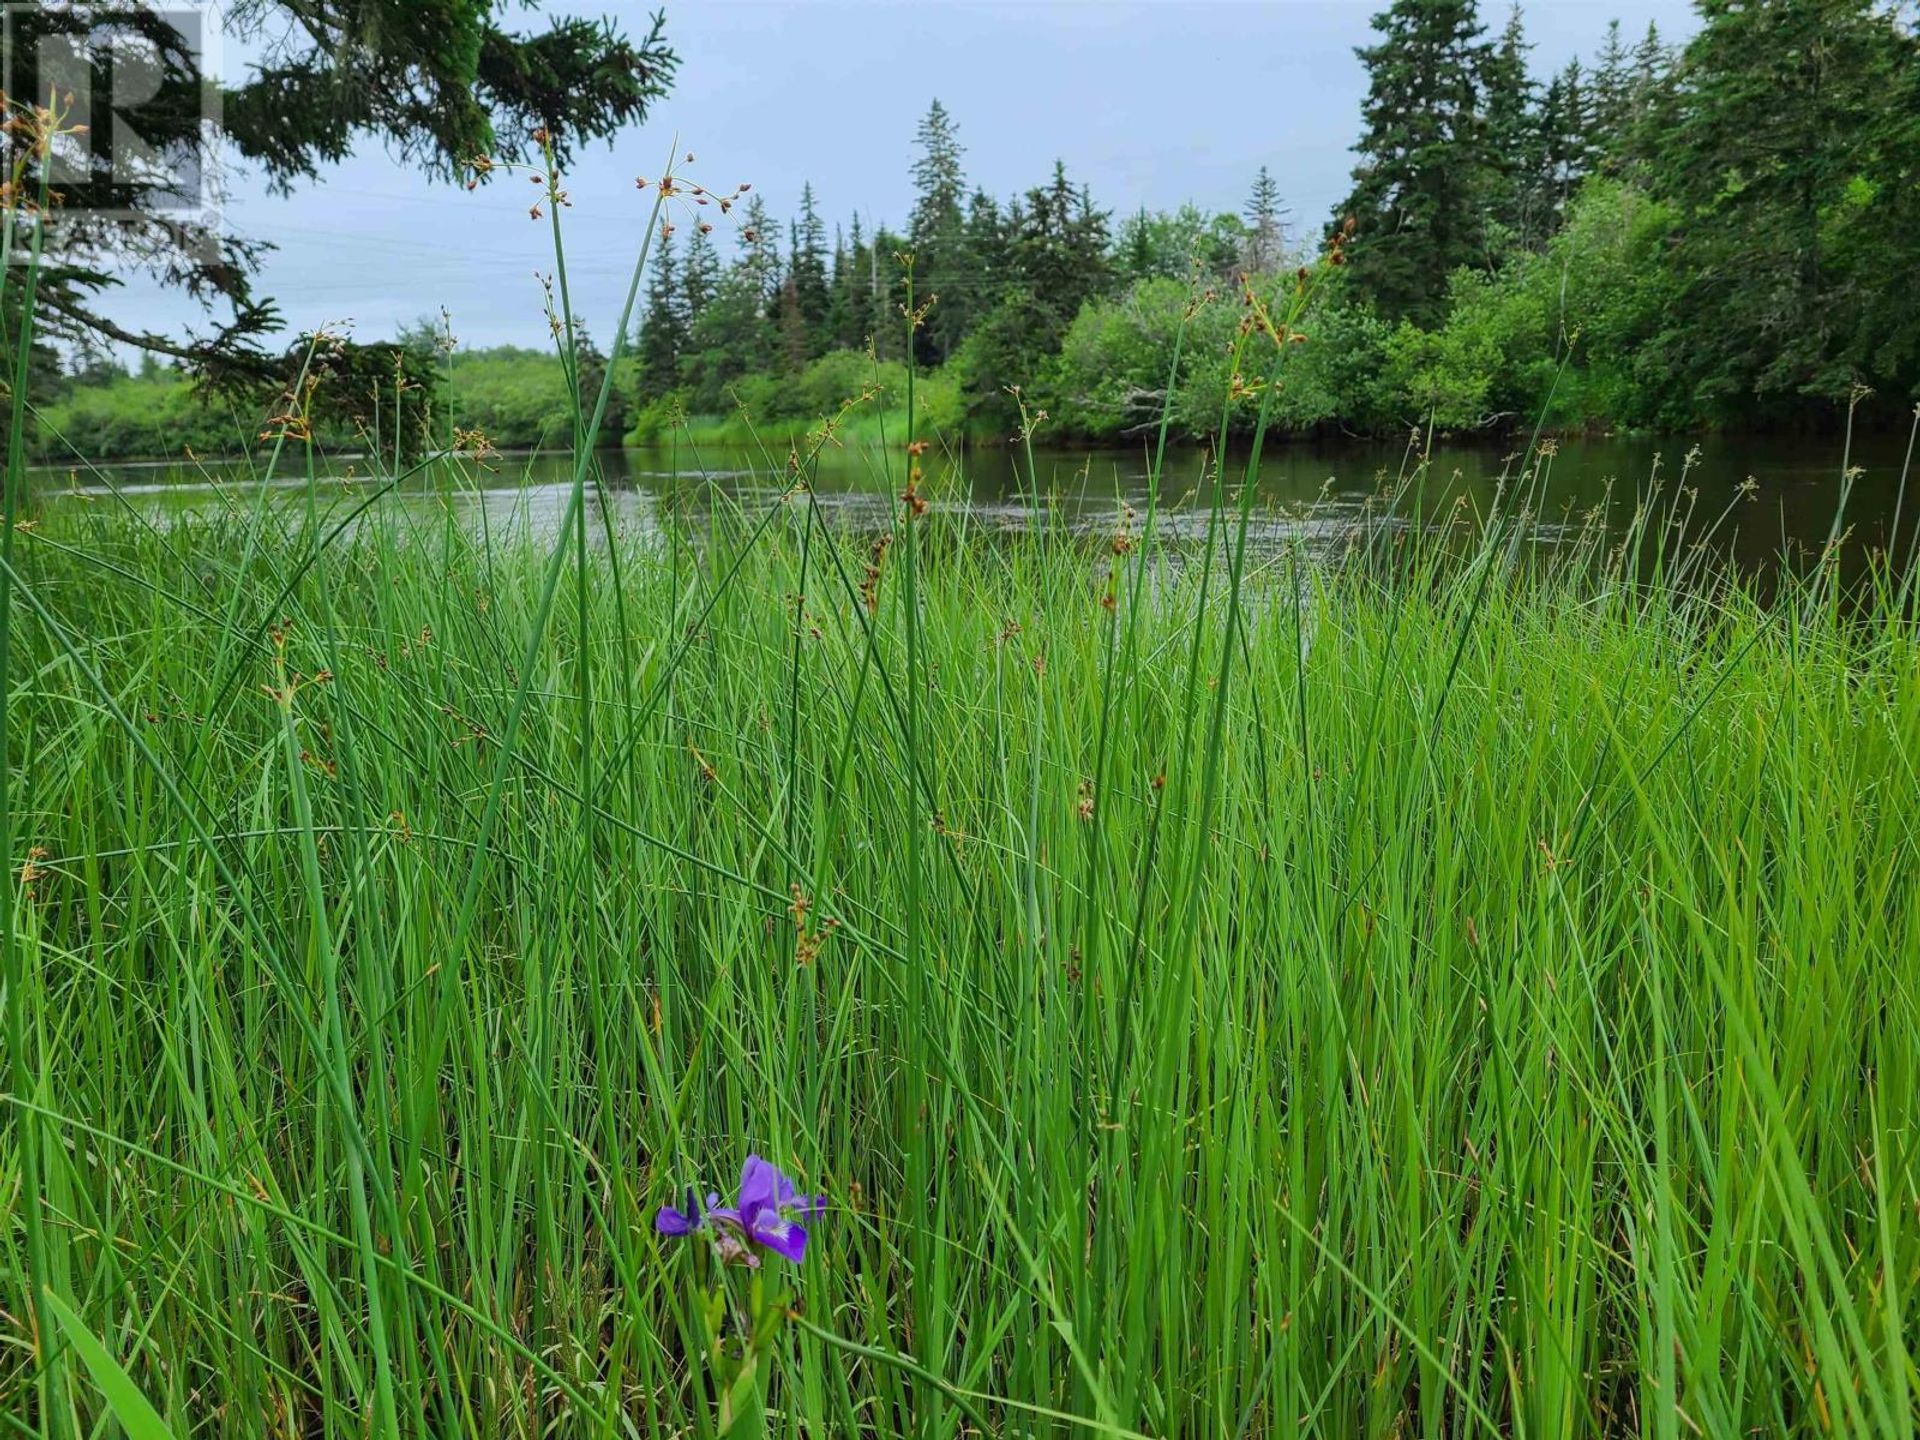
1722, 234
1719, 234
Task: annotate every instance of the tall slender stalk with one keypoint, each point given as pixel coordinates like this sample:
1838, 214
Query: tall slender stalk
50, 1396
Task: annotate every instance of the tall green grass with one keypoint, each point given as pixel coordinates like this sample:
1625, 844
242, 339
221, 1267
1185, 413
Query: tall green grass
1437, 985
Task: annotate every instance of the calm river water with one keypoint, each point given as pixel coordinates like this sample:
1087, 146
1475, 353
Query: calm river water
1310, 489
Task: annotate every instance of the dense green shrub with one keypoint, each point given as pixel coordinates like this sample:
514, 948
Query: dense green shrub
518, 397
1576, 336
1110, 380
156, 415
871, 393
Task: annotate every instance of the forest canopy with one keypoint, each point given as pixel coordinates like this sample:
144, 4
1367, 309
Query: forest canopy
1714, 234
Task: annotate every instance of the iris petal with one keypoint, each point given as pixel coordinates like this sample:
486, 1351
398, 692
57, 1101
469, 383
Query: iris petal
760, 1184
764, 1217
786, 1238
674, 1222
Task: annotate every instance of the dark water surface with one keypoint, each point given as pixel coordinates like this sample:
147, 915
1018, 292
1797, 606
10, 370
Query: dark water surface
1780, 495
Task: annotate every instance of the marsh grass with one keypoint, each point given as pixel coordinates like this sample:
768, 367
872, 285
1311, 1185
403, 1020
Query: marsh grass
1441, 986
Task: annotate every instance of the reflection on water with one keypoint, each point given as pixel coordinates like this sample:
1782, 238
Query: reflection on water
1778, 495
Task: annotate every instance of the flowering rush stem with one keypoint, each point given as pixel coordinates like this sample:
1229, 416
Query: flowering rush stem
763, 1222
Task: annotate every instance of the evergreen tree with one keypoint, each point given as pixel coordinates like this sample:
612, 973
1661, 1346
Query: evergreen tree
807, 275
1652, 65
663, 331
938, 181
1090, 233
1650, 95
936, 235
1564, 154
1513, 144
435, 82
791, 325
1610, 93
886, 294
984, 263
1059, 253
1136, 250
1425, 166
700, 274
1795, 163
760, 251
737, 331
1056, 260
733, 337
590, 370
1266, 238
852, 298
1155, 245
838, 311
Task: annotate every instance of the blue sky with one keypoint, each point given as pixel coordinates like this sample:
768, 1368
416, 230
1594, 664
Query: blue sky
1151, 102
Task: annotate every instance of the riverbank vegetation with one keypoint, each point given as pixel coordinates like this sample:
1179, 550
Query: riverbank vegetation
1403, 984
1452, 969
1659, 238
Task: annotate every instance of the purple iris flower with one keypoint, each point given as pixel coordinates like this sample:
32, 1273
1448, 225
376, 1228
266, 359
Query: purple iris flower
766, 1217
680, 1222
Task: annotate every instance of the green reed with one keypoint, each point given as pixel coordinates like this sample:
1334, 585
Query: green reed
1424, 984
